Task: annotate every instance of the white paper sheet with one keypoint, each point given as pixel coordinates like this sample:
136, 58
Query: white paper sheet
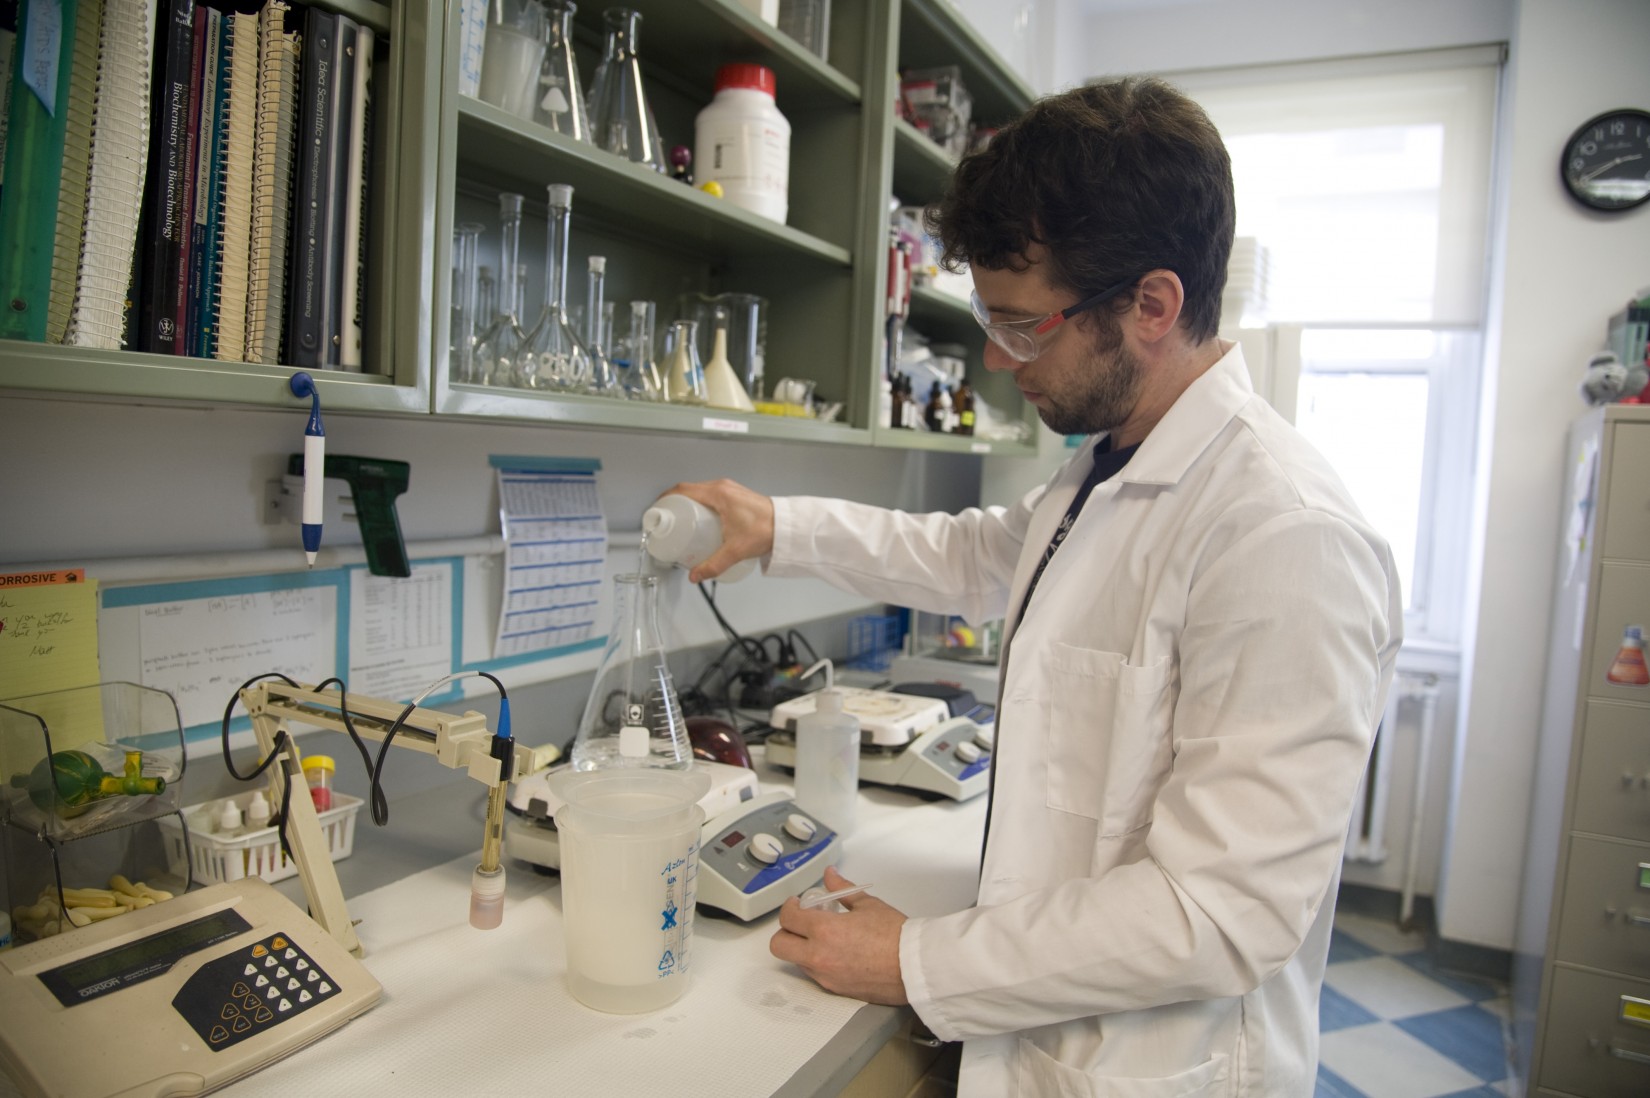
400, 631
556, 538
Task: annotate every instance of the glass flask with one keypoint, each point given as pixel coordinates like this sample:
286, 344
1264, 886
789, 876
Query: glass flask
513, 55
556, 358
561, 98
461, 334
684, 376
486, 298
598, 320
621, 121
633, 717
499, 348
638, 373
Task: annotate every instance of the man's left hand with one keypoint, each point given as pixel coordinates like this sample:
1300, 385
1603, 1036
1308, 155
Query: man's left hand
853, 953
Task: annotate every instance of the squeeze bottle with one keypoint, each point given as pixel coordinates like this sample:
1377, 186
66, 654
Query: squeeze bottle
683, 532
827, 758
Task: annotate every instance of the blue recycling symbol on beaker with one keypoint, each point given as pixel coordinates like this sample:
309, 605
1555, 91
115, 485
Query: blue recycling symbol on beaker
667, 962
670, 917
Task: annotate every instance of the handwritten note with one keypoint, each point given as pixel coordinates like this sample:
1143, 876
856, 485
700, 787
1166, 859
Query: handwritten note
202, 650
48, 642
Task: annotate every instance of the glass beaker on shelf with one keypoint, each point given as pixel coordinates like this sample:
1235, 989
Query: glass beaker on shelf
684, 375
556, 358
633, 717
499, 348
639, 373
560, 96
598, 320
462, 325
621, 121
513, 55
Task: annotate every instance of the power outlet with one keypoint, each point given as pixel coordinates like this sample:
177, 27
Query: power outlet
275, 497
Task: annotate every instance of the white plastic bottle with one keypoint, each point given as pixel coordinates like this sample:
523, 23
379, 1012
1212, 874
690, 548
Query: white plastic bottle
827, 758
683, 532
743, 143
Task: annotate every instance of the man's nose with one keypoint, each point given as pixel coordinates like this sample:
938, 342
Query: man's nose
996, 359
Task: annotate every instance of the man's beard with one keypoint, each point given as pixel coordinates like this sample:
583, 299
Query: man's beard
1104, 395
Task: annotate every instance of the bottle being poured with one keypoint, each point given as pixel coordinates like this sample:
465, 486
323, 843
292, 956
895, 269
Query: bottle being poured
682, 531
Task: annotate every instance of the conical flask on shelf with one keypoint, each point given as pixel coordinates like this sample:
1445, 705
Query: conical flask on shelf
633, 717
500, 346
621, 121
555, 356
684, 376
561, 98
722, 387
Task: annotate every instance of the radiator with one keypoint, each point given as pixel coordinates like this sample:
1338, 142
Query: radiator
1366, 833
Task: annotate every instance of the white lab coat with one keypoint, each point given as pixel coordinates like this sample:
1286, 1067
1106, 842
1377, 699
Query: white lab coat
1186, 708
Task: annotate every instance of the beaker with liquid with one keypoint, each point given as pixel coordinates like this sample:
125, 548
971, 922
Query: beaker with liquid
621, 120
633, 718
513, 54
561, 100
629, 843
555, 356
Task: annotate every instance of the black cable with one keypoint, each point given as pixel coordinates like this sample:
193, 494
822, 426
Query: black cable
813, 657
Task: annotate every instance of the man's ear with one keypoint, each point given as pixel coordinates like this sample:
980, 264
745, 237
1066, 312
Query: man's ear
1157, 305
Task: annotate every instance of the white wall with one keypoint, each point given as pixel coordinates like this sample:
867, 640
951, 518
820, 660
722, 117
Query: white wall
1565, 272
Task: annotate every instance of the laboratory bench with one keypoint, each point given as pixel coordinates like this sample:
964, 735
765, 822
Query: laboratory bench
484, 1012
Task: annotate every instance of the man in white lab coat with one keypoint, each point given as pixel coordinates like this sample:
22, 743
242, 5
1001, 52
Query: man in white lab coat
1201, 626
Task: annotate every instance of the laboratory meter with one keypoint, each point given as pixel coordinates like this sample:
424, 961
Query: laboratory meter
175, 999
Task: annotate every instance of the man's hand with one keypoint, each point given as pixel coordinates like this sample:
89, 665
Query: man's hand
853, 953
747, 523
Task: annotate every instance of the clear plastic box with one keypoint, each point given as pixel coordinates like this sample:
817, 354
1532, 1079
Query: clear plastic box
937, 102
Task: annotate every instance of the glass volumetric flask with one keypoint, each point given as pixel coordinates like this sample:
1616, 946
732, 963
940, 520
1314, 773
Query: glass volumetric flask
633, 717
462, 326
561, 99
684, 375
621, 121
598, 319
555, 356
499, 348
638, 372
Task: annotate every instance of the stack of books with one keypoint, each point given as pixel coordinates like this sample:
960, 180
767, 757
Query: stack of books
156, 193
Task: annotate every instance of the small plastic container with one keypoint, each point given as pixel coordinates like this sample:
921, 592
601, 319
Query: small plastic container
827, 758
254, 850
743, 143
318, 771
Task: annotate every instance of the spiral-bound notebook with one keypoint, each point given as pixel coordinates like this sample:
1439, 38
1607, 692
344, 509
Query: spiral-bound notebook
235, 235
272, 159
114, 182
77, 148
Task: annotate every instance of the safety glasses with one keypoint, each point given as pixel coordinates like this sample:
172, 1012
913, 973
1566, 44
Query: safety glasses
1022, 340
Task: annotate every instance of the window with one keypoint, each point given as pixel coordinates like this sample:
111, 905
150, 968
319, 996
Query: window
1362, 195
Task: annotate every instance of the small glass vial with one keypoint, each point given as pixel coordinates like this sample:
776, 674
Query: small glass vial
318, 773
1628, 668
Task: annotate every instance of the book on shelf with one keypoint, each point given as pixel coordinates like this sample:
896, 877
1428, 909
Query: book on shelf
36, 128
272, 167
352, 290
203, 223
312, 322
8, 56
165, 212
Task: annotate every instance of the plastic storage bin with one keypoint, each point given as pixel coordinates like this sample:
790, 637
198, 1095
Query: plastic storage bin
215, 857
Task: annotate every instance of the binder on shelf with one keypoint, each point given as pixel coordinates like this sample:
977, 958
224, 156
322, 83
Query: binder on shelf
165, 209
272, 159
74, 168
8, 54
114, 186
352, 290
312, 326
229, 295
35, 132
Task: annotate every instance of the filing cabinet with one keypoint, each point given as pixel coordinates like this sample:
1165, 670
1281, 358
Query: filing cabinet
1581, 965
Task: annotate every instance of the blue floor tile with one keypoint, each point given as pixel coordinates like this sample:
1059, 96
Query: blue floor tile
1467, 1035
1467, 986
1331, 1085
1344, 947
1336, 1011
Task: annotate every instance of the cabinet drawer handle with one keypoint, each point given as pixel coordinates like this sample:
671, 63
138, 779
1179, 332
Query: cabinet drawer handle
1629, 1054
1636, 919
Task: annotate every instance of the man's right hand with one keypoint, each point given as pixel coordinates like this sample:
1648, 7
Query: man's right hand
747, 523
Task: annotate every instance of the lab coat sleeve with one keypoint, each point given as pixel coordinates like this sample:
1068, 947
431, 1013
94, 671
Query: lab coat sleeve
1285, 653
940, 563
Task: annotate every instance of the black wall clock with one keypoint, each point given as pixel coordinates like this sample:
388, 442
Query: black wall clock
1606, 163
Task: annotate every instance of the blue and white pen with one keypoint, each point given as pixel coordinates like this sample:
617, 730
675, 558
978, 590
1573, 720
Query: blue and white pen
315, 463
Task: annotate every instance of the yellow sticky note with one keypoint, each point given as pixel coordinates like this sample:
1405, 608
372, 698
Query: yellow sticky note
48, 642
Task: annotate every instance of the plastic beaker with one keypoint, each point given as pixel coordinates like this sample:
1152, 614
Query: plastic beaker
629, 858
513, 55
633, 718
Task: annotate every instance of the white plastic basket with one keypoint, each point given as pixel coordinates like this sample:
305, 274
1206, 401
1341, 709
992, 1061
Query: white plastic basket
218, 858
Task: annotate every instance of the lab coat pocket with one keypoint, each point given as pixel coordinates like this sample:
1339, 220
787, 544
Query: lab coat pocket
1108, 731
1042, 1076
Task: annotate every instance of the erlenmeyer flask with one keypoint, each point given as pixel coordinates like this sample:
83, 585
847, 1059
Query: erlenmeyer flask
633, 717
461, 336
561, 99
640, 374
684, 376
556, 358
597, 317
498, 349
621, 121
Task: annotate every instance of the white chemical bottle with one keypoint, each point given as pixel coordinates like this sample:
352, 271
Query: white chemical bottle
827, 758
743, 143
683, 532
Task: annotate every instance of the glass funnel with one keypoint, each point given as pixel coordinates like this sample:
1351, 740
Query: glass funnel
621, 121
561, 98
499, 347
555, 357
633, 717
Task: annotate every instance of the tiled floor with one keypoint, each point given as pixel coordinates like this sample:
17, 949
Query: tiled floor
1393, 1026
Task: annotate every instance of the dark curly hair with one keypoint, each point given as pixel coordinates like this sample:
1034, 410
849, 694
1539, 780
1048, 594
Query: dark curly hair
1115, 179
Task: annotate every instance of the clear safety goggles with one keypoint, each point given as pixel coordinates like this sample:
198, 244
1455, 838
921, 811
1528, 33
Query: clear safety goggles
1022, 340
